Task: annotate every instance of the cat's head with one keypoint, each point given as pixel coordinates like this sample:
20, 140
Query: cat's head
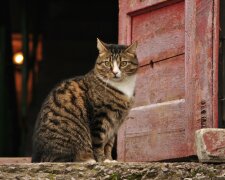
116, 62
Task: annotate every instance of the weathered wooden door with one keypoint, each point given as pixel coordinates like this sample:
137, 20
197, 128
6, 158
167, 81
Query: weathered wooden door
176, 90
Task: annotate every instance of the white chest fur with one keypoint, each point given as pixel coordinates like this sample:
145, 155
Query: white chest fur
126, 86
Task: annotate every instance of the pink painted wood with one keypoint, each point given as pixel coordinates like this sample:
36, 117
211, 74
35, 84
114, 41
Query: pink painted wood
199, 67
161, 83
174, 92
216, 27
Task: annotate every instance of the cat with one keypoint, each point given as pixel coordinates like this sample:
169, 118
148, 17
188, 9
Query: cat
80, 118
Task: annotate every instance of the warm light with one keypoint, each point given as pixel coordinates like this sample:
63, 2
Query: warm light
18, 58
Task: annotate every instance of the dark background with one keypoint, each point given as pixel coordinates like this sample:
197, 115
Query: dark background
68, 30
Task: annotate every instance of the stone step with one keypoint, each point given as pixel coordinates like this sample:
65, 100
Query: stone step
113, 171
14, 160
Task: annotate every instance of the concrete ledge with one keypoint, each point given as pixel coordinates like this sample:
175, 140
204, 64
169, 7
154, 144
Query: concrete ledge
210, 144
14, 160
115, 171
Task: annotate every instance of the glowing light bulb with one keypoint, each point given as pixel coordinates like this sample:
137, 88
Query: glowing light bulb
18, 58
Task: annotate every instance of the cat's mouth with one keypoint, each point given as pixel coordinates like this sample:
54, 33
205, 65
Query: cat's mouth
113, 78
117, 79
116, 76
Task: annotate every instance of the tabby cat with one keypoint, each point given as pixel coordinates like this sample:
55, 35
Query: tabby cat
80, 117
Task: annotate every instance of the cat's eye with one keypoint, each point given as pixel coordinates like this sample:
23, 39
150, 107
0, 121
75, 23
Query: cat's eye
123, 63
107, 63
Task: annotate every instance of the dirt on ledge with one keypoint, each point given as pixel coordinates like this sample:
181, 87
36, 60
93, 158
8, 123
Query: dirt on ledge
112, 171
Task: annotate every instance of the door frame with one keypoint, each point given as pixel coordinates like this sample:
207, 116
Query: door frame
203, 88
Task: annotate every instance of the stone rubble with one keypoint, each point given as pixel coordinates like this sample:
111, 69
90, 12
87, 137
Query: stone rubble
112, 171
210, 144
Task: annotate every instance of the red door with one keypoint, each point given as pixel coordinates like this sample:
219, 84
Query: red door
176, 90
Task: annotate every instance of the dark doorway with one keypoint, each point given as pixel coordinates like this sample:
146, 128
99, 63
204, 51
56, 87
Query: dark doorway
222, 66
70, 29
43, 42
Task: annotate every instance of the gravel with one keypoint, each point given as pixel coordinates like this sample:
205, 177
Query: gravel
112, 171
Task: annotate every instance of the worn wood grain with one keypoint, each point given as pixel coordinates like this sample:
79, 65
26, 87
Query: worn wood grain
199, 67
155, 132
160, 82
160, 33
216, 28
134, 7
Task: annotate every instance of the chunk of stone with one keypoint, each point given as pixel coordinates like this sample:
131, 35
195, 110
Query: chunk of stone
210, 144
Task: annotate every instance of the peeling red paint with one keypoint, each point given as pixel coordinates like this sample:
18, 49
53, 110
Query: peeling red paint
215, 142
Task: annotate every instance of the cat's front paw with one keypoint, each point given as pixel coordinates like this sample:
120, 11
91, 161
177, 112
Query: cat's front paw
110, 161
100, 157
90, 161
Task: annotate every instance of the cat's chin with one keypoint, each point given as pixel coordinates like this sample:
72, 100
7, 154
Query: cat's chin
116, 79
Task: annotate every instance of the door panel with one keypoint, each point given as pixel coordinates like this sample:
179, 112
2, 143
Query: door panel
174, 84
155, 132
160, 33
161, 82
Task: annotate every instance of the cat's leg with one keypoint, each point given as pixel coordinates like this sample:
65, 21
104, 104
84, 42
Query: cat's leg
99, 152
101, 132
103, 151
108, 150
99, 139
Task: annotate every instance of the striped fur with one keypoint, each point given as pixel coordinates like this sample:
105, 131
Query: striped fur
80, 117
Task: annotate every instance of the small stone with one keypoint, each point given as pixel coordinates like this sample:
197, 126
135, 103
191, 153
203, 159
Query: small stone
81, 173
164, 169
98, 168
210, 143
81, 168
153, 170
69, 169
106, 177
222, 173
198, 174
110, 172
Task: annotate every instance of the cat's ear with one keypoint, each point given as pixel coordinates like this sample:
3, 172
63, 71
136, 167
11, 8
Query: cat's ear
132, 49
101, 47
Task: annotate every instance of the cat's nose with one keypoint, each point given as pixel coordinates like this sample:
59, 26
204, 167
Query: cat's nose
115, 72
